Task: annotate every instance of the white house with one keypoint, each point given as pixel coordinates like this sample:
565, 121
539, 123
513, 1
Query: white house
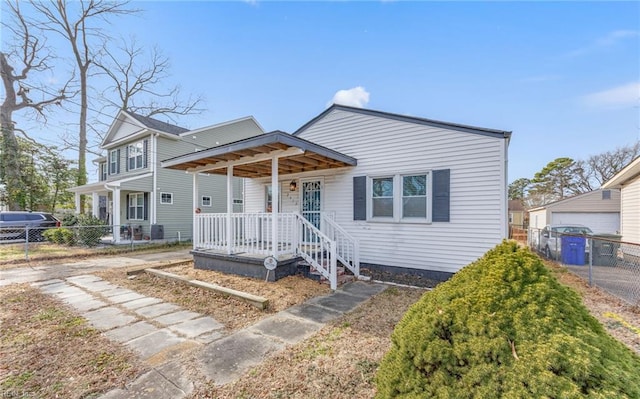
363, 188
628, 181
599, 210
135, 195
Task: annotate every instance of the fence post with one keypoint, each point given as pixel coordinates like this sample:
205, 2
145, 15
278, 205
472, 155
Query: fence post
26, 242
590, 261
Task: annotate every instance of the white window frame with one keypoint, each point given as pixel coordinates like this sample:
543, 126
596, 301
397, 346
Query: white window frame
210, 200
398, 198
162, 202
266, 197
135, 153
426, 197
104, 172
136, 196
113, 162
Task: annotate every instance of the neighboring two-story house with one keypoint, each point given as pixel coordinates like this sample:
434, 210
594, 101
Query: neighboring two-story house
135, 195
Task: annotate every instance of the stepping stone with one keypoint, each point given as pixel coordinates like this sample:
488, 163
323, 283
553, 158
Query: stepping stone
177, 317
140, 303
151, 344
46, 282
157, 310
97, 286
193, 328
84, 278
82, 304
313, 312
227, 359
69, 291
338, 301
168, 381
54, 288
362, 289
285, 327
127, 297
108, 318
131, 331
115, 291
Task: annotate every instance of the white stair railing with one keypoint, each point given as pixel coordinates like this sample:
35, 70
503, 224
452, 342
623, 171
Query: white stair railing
347, 250
317, 250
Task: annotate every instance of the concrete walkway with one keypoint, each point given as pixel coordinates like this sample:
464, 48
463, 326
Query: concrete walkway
61, 269
159, 332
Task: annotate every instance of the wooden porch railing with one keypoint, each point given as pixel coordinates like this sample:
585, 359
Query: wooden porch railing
252, 233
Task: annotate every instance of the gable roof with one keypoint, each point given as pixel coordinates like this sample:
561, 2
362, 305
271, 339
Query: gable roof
251, 157
569, 199
157, 125
628, 173
410, 119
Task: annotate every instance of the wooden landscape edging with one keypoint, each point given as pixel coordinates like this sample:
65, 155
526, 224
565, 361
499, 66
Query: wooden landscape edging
254, 300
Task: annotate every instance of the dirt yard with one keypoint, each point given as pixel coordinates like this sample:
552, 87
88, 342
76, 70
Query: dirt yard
53, 353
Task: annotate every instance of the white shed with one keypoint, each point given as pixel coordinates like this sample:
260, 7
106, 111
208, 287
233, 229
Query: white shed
628, 181
598, 210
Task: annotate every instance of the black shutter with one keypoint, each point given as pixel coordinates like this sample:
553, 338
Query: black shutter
360, 198
440, 198
146, 206
127, 206
126, 160
118, 162
145, 145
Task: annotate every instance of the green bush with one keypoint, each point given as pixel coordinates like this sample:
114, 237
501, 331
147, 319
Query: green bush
503, 327
90, 230
60, 236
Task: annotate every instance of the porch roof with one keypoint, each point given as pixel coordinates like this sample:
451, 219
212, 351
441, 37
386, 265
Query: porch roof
252, 157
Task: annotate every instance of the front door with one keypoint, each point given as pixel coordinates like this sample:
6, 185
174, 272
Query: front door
311, 202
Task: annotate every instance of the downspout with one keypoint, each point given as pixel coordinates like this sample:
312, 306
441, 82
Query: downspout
154, 187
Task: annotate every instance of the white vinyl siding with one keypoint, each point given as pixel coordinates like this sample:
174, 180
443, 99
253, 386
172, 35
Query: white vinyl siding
631, 212
385, 147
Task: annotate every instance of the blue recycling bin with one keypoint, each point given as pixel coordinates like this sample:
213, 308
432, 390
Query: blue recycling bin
573, 249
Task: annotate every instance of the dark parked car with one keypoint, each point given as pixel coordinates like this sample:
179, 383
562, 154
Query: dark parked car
13, 224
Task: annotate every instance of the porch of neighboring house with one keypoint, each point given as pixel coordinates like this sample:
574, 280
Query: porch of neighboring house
272, 244
127, 210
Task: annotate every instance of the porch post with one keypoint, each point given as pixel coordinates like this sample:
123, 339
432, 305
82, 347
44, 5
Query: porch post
196, 227
275, 195
229, 208
116, 214
77, 198
95, 204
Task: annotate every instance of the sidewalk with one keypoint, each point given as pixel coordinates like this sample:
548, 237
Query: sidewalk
66, 268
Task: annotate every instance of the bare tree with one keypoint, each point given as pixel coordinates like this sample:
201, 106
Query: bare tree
28, 54
138, 81
77, 27
602, 167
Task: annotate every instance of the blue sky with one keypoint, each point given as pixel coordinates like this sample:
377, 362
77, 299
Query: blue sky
563, 76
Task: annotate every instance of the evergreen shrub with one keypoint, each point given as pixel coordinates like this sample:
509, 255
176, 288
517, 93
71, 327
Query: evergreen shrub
504, 327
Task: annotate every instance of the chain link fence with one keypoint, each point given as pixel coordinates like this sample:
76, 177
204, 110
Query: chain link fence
603, 260
30, 240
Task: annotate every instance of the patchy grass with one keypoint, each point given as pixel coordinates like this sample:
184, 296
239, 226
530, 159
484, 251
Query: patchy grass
48, 352
13, 255
231, 312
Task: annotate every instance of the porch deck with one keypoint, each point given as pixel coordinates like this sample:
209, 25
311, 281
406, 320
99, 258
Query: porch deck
247, 264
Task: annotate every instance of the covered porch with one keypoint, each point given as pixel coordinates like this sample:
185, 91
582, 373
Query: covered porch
275, 238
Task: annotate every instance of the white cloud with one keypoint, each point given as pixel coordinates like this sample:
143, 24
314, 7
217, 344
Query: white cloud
609, 40
619, 96
354, 97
